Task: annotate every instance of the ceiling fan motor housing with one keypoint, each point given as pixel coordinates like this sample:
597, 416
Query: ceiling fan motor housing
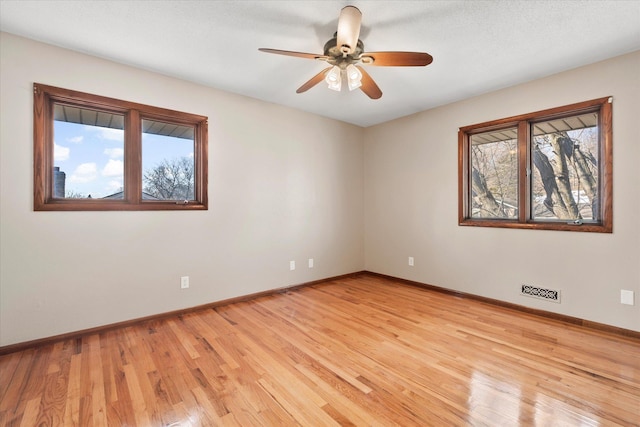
340, 58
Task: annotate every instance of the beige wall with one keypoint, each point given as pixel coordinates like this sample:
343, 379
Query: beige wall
283, 185
411, 204
286, 185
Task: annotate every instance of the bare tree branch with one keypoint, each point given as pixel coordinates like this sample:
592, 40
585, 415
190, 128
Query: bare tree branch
171, 180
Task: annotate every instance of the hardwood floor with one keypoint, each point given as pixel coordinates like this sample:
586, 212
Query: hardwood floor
363, 351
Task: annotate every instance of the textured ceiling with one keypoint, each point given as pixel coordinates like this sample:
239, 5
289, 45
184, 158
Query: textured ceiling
478, 46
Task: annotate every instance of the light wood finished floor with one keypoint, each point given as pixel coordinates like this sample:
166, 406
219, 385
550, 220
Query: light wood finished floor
363, 351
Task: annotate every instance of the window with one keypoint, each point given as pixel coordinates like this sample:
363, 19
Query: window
97, 153
548, 170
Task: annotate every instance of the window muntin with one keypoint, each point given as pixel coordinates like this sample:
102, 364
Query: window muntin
90, 153
563, 161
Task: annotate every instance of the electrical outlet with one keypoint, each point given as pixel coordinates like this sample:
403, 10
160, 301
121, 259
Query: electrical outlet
411, 261
184, 282
310, 262
626, 297
292, 265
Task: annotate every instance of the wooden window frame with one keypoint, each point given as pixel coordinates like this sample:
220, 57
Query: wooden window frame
44, 99
605, 223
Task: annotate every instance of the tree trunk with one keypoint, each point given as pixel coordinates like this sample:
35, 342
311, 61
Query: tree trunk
587, 181
553, 201
483, 197
562, 145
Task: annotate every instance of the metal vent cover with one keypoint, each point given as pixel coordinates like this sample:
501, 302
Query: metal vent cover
541, 293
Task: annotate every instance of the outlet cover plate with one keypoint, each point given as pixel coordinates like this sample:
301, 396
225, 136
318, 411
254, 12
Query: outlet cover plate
626, 297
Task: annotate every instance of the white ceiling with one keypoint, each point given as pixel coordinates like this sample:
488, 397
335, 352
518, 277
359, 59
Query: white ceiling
478, 46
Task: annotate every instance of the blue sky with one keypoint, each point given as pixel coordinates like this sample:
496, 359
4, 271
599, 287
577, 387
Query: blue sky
92, 157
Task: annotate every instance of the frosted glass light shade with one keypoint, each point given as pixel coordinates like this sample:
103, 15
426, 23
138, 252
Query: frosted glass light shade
354, 77
334, 78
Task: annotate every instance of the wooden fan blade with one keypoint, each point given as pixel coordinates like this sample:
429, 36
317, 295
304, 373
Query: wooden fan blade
292, 53
349, 28
397, 59
313, 81
368, 85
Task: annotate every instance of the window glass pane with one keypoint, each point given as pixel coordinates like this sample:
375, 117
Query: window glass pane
565, 169
88, 153
494, 174
168, 164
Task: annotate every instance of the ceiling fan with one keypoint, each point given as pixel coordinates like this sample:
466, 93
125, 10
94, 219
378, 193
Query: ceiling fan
345, 50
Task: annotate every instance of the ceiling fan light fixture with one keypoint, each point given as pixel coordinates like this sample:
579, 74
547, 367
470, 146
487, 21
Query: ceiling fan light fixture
354, 77
345, 50
334, 78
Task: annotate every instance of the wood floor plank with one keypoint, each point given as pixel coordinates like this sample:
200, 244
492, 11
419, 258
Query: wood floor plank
72, 408
141, 412
361, 350
30, 415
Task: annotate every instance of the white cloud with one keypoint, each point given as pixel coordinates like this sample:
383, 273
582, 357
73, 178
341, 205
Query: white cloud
190, 155
114, 186
112, 134
113, 168
114, 153
60, 153
85, 172
107, 133
76, 139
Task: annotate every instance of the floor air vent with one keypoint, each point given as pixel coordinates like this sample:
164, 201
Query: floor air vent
541, 293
